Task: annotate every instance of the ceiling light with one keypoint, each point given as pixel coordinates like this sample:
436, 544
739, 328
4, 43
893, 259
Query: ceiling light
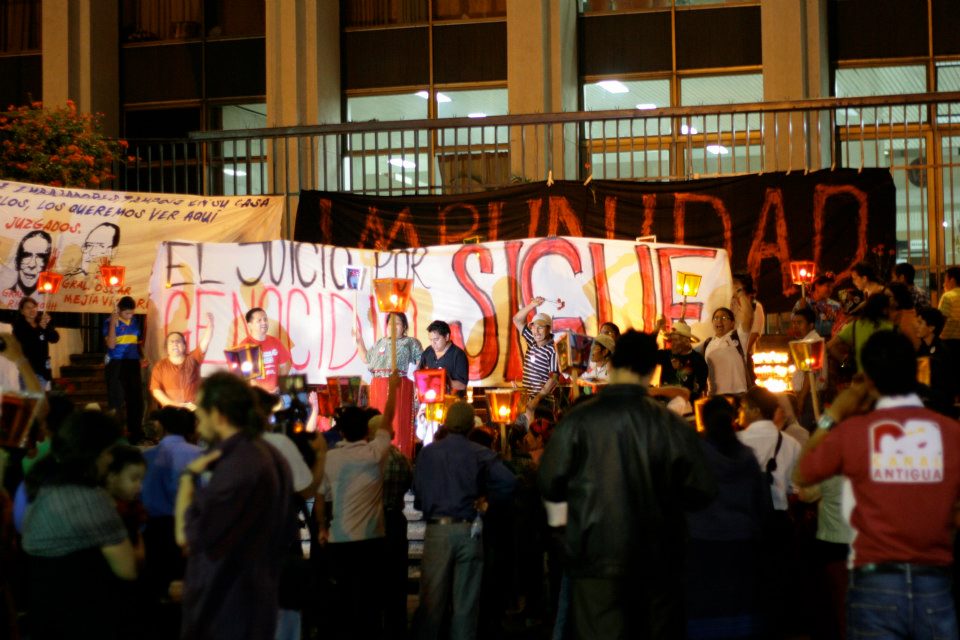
685, 130
717, 150
643, 106
230, 171
613, 86
479, 114
441, 97
401, 162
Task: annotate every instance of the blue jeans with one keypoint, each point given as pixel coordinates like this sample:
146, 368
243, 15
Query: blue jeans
911, 605
452, 568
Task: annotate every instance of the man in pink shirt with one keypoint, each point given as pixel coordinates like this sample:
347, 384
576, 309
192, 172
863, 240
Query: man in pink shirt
903, 462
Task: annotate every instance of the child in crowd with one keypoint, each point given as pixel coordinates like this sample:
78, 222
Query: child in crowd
123, 482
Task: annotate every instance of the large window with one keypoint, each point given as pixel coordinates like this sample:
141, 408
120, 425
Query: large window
242, 169
463, 158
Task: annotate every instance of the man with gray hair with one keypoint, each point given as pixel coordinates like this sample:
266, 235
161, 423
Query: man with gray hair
452, 476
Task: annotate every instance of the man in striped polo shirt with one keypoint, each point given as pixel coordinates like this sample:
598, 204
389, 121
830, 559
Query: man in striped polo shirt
540, 362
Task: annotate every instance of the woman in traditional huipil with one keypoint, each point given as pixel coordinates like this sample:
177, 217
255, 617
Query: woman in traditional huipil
377, 359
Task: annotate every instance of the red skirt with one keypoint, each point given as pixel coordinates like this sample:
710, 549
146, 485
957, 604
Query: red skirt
403, 418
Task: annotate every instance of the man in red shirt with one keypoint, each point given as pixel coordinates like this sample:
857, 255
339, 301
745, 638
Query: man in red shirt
276, 357
903, 462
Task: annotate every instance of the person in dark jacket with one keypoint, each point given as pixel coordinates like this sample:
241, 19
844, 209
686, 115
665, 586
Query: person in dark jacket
628, 468
237, 527
723, 552
36, 333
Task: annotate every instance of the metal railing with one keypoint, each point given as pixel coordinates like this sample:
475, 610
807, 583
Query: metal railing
915, 136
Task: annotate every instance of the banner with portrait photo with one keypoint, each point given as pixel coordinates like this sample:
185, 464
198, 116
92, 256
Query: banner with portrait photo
72, 232
307, 292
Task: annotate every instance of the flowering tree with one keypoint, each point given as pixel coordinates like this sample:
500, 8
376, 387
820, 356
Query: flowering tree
57, 147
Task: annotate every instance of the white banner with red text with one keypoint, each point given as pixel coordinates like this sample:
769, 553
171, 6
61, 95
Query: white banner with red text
476, 288
73, 232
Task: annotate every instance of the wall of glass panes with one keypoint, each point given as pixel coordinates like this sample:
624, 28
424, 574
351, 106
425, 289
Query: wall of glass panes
453, 159
658, 148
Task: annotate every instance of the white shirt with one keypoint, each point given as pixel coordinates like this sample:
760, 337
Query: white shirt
761, 436
353, 480
726, 368
302, 476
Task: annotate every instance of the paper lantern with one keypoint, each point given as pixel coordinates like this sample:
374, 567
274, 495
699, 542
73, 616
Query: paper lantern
504, 405
802, 272
324, 406
688, 284
807, 354
245, 360
393, 294
345, 390
112, 275
49, 282
431, 385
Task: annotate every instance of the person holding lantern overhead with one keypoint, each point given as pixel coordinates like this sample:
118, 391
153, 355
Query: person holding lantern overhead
377, 360
540, 375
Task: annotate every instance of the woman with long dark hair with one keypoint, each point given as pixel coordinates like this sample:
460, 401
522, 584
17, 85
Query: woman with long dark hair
79, 555
723, 590
377, 359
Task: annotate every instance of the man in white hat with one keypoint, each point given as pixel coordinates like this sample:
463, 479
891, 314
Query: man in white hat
540, 373
688, 368
600, 352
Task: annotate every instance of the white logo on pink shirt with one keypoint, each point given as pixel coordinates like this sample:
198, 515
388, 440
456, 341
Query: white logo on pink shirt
911, 453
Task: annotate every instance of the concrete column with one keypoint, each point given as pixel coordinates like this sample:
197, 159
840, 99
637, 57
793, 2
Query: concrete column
303, 88
81, 57
795, 67
542, 78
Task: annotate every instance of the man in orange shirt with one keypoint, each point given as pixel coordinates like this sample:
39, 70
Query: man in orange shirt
175, 379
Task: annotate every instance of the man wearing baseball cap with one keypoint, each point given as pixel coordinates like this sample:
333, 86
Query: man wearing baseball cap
540, 361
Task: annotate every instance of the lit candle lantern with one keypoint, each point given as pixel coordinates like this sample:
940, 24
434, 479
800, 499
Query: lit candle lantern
392, 294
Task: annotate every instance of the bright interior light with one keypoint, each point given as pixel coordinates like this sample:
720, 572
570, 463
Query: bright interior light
479, 114
717, 149
441, 97
403, 162
230, 171
613, 86
114, 280
438, 414
246, 366
430, 395
504, 411
47, 286
685, 130
393, 298
399, 177
646, 105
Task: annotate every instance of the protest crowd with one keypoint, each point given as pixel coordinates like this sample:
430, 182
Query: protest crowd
650, 490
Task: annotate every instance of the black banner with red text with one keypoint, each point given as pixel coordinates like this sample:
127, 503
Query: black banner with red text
762, 221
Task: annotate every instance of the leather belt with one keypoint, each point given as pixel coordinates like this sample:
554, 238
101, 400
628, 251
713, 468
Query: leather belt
447, 520
903, 568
